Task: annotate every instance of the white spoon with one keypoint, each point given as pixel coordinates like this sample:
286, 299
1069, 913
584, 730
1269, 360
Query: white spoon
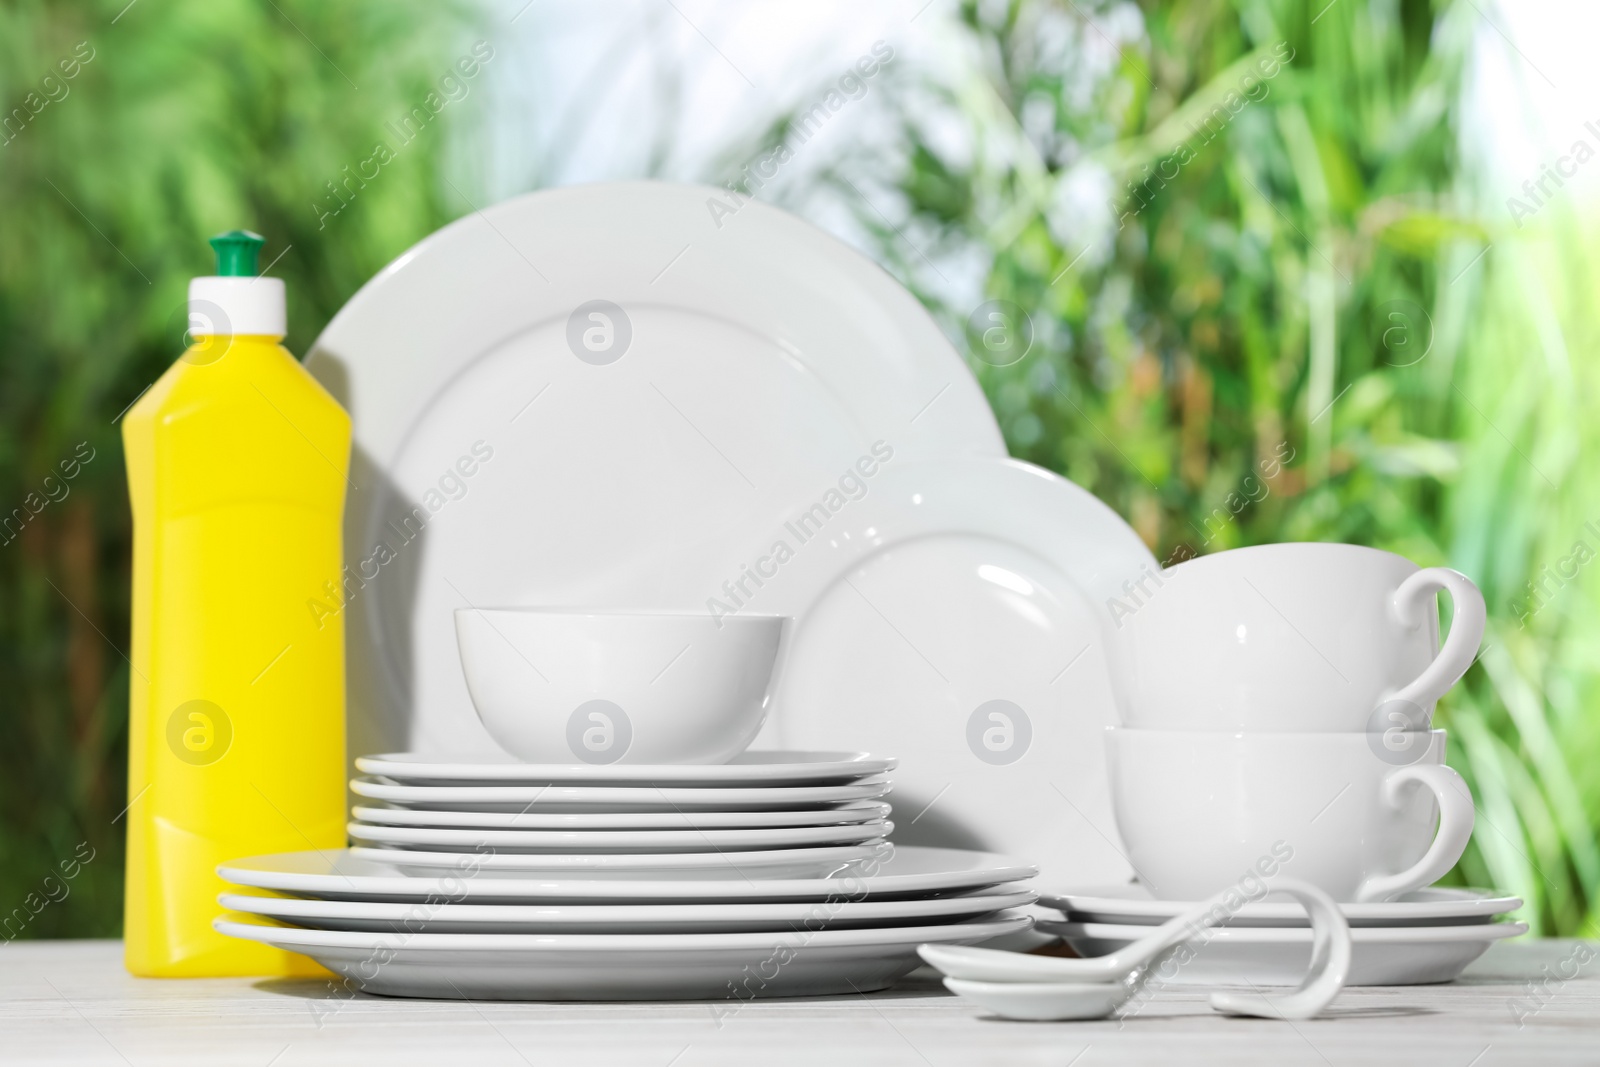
1093, 988
1045, 1001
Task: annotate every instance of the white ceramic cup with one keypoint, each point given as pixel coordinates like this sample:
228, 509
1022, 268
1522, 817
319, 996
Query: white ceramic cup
1298, 637
1202, 811
574, 687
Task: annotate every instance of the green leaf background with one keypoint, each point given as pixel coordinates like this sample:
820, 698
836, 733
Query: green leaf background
1321, 276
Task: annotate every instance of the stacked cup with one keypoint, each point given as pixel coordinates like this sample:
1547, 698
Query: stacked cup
1276, 704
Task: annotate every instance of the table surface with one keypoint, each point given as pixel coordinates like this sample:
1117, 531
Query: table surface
71, 1002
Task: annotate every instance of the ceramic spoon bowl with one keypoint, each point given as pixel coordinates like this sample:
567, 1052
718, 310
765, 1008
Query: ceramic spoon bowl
1045, 1001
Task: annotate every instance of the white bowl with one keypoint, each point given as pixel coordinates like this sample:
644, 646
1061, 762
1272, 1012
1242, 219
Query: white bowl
570, 686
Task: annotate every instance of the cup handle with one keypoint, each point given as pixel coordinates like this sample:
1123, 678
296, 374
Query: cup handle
1415, 596
1455, 828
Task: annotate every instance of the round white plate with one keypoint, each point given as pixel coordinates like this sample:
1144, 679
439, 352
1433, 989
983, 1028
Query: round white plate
1133, 905
893, 871
1255, 955
735, 967
953, 619
744, 364
605, 841
747, 768
816, 862
561, 798
620, 918
866, 811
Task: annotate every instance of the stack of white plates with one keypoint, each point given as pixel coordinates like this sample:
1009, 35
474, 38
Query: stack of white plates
777, 813
1429, 935
767, 876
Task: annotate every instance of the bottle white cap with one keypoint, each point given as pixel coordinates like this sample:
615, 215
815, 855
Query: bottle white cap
222, 306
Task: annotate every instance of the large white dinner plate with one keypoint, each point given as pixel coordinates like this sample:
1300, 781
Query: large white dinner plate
1133, 905
716, 966
382, 916
762, 360
747, 768
559, 798
439, 839
864, 811
817, 862
1254, 955
952, 617
894, 871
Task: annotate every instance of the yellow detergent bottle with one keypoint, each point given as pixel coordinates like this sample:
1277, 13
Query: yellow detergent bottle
237, 463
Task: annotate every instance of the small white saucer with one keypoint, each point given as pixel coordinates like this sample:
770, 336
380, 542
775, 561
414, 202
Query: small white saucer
1277, 956
1133, 905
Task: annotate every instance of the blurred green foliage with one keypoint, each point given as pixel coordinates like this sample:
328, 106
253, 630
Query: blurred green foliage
178, 120
1239, 234
1290, 260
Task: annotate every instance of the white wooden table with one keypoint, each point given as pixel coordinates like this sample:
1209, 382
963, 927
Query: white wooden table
71, 1002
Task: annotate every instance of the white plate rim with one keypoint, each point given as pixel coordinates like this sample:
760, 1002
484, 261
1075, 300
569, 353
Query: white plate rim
1482, 903
581, 840
827, 767
848, 815
564, 862
477, 242
255, 872
936, 498
288, 909
865, 789
855, 937
1289, 935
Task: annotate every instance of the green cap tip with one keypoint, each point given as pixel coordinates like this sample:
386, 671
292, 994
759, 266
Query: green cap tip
237, 253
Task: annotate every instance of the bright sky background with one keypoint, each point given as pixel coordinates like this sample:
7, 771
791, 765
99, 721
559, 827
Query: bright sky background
618, 88
605, 87
1535, 83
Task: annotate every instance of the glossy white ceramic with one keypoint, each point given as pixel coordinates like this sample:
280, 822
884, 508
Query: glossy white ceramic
446, 918
607, 688
731, 968
1134, 906
1127, 969
748, 768
893, 871
441, 839
1320, 638
1202, 811
578, 798
1044, 1001
946, 617
869, 811
513, 448
1258, 956
818, 862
